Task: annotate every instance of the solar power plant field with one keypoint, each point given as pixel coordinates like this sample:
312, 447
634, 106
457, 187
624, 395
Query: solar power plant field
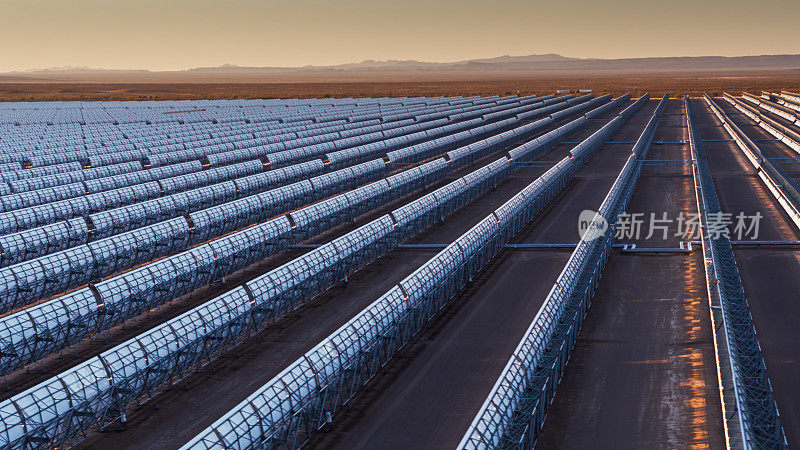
401, 273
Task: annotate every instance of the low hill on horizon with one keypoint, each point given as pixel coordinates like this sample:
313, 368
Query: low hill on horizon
505, 66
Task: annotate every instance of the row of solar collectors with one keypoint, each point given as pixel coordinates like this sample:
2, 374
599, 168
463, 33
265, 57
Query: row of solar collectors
81, 130
441, 146
12, 432
169, 277
72, 173
199, 152
179, 105
761, 113
786, 113
207, 103
197, 136
159, 155
70, 140
337, 140
149, 361
780, 101
199, 339
108, 112
204, 227
30, 280
140, 116
20, 246
402, 114
273, 153
47, 275
55, 136
788, 99
57, 319
426, 278
366, 151
306, 394
47, 238
292, 140
522, 375
92, 135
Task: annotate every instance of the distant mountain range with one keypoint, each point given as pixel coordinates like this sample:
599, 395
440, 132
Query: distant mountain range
544, 64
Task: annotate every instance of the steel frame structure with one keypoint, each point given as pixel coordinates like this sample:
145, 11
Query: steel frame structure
72, 318
788, 135
784, 187
51, 274
96, 208
91, 267
98, 391
758, 421
137, 370
515, 409
306, 395
40, 330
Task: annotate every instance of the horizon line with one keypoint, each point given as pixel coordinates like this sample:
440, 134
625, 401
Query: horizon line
233, 65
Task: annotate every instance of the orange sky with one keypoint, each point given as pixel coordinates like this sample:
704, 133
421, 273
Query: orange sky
179, 34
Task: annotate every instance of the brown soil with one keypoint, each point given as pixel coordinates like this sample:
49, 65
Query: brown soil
675, 84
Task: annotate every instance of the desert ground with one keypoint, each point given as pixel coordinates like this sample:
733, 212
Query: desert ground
420, 85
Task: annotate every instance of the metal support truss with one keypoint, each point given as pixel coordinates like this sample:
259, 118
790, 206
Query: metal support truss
516, 407
750, 414
783, 187
310, 391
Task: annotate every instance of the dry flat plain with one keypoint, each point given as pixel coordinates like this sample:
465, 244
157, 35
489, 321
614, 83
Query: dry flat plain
409, 86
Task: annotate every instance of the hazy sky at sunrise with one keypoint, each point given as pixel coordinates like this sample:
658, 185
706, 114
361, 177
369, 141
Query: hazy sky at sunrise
179, 34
